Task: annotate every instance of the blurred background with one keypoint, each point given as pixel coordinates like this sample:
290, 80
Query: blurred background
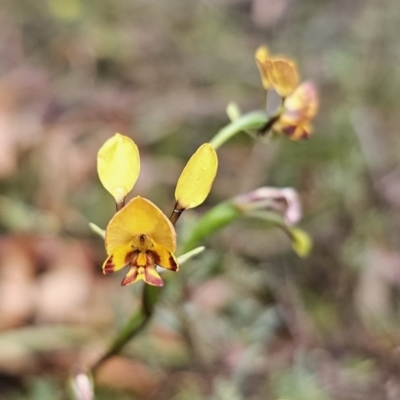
247, 319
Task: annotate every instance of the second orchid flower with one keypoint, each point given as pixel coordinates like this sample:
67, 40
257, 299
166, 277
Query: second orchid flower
299, 102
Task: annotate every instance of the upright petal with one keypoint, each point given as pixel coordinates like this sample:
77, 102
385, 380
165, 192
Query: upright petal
197, 177
262, 58
283, 76
118, 166
139, 217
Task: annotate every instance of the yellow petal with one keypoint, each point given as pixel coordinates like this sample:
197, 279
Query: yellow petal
139, 217
163, 257
142, 259
118, 166
262, 59
283, 76
302, 131
262, 53
197, 177
118, 259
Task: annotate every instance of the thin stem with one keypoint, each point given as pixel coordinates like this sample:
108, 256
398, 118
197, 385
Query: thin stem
120, 204
252, 120
266, 100
135, 324
268, 125
141, 317
176, 213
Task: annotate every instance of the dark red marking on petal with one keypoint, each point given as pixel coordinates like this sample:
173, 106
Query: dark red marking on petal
173, 266
109, 267
154, 256
305, 134
130, 256
290, 130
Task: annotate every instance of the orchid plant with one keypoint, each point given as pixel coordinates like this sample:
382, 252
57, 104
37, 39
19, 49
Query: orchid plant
141, 237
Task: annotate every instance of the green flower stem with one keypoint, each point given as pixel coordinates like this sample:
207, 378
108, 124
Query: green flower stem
251, 121
140, 318
218, 217
227, 212
135, 324
301, 241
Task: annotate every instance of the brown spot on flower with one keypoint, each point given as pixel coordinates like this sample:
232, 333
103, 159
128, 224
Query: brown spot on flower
173, 266
109, 267
131, 256
290, 130
142, 239
305, 134
154, 256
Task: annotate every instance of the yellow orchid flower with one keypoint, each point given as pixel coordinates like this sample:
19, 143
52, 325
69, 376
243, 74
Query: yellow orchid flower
299, 109
140, 236
118, 166
278, 73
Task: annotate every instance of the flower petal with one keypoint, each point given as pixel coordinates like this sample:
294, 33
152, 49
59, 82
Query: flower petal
139, 217
119, 259
282, 201
197, 177
152, 277
262, 57
298, 110
163, 257
148, 274
132, 276
299, 132
283, 76
118, 166
304, 101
